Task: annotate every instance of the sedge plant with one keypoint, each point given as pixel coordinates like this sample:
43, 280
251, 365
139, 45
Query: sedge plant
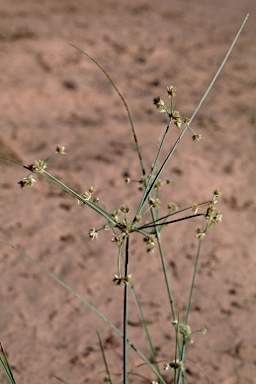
147, 221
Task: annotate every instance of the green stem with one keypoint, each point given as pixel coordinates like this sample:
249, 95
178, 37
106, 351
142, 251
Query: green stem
193, 281
164, 269
6, 366
153, 353
65, 188
90, 306
182, 352
104, 357
220, 68
124, 103
120, 248
150, 187
147, 184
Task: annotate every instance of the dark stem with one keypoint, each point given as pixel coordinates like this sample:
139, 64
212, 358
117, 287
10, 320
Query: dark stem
125, 320
169, 222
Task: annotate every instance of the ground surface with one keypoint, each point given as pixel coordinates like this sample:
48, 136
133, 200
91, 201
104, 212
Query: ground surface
51, 94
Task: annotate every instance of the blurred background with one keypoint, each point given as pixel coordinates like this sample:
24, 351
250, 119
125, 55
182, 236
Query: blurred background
53, 94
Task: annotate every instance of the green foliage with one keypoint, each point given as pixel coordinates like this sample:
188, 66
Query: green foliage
4, 362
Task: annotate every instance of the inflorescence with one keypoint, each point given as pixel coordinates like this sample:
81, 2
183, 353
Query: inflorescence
118, 221
172, 113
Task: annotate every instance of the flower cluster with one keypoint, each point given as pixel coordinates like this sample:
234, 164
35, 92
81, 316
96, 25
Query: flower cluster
212, 217
195, 208
122, 223
38, 166
159, 104
172, 207
173, 114
196, 137
150, 240
60, 150
27, 181
175, 364
171, 91
154, 203
200, 233
93, 233
121, 281
185, 330
88, 195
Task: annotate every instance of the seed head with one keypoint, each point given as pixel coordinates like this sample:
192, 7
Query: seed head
216, 192
116, 239
185, 330
171, 91
186, 120
196, 137
38, 166
158, 184
217, 218
151, 239
93, 233
125, 209
159, 104
96, 200
60, 149
87, 195
121, 281
172, 207
27, 181
200, 234
175, 364
195, 208
151, 249
154, 203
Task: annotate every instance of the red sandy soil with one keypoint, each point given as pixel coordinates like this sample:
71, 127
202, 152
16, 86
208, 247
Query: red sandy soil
51, 93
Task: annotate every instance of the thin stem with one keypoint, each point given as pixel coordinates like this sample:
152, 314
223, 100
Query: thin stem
104, 357
169, 222
153, 353
193, 281
220, 68
90, 306
124, 103
177, 343
125, 319
147, 184
158, 154
65, 188
150, 187
120, 248
164, 269
6, 366
182, 352
174, 213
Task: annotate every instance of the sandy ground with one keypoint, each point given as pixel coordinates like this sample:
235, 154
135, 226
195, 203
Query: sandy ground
51, 94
